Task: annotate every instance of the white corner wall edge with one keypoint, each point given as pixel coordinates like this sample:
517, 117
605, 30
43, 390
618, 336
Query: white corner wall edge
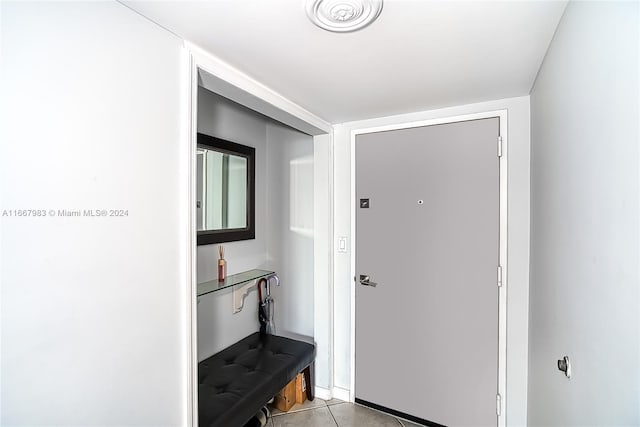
191, 307
232, 83
323, 260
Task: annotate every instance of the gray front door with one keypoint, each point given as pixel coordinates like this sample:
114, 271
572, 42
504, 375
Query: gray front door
427, 237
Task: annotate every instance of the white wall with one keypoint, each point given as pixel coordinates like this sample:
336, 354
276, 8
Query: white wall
518, 243
93, 310
585, 221
284, 228
290, 228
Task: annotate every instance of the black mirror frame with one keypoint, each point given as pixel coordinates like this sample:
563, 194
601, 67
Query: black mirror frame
207, 237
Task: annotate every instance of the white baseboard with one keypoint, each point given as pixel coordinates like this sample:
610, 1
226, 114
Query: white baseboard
341, 393
334, 393
323, 393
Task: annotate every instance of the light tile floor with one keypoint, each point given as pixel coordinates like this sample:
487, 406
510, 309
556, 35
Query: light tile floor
334, 413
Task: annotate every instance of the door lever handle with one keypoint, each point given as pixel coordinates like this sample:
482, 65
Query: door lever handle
364, 280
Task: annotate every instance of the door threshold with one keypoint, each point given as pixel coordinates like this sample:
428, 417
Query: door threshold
398, 414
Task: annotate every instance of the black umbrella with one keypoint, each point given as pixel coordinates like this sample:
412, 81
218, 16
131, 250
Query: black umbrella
262, 313
267, 306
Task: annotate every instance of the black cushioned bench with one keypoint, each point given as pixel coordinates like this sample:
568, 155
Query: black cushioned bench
237, 382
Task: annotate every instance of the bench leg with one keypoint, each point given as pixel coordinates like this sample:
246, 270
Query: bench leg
309, 380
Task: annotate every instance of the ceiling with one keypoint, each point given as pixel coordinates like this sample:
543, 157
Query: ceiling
418, 55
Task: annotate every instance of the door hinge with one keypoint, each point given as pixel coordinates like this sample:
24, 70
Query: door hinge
499, 276
498, 404
499, 146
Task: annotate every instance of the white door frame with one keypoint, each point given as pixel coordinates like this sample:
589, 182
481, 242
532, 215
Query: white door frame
244, 90
502, 294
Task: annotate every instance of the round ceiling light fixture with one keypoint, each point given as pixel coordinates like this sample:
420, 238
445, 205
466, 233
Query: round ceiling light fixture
343, 16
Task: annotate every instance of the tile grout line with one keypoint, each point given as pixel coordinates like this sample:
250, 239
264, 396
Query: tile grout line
383, 413
332, 416
299, 410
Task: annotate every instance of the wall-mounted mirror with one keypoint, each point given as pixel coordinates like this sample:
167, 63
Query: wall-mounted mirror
225, 191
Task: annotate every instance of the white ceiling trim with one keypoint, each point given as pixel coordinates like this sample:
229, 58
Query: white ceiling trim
222, 78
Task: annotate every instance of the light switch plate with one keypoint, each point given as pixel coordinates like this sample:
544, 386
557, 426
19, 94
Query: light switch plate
342, 244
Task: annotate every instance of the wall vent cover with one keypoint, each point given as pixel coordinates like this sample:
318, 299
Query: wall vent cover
342, 16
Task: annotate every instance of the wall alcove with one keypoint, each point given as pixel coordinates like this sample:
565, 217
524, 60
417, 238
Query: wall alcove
293, 185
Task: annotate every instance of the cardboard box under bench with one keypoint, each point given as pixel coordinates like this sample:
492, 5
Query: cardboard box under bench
292, 393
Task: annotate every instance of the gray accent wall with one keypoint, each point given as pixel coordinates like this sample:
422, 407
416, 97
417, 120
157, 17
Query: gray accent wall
284, 228
584, 287
218, 327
